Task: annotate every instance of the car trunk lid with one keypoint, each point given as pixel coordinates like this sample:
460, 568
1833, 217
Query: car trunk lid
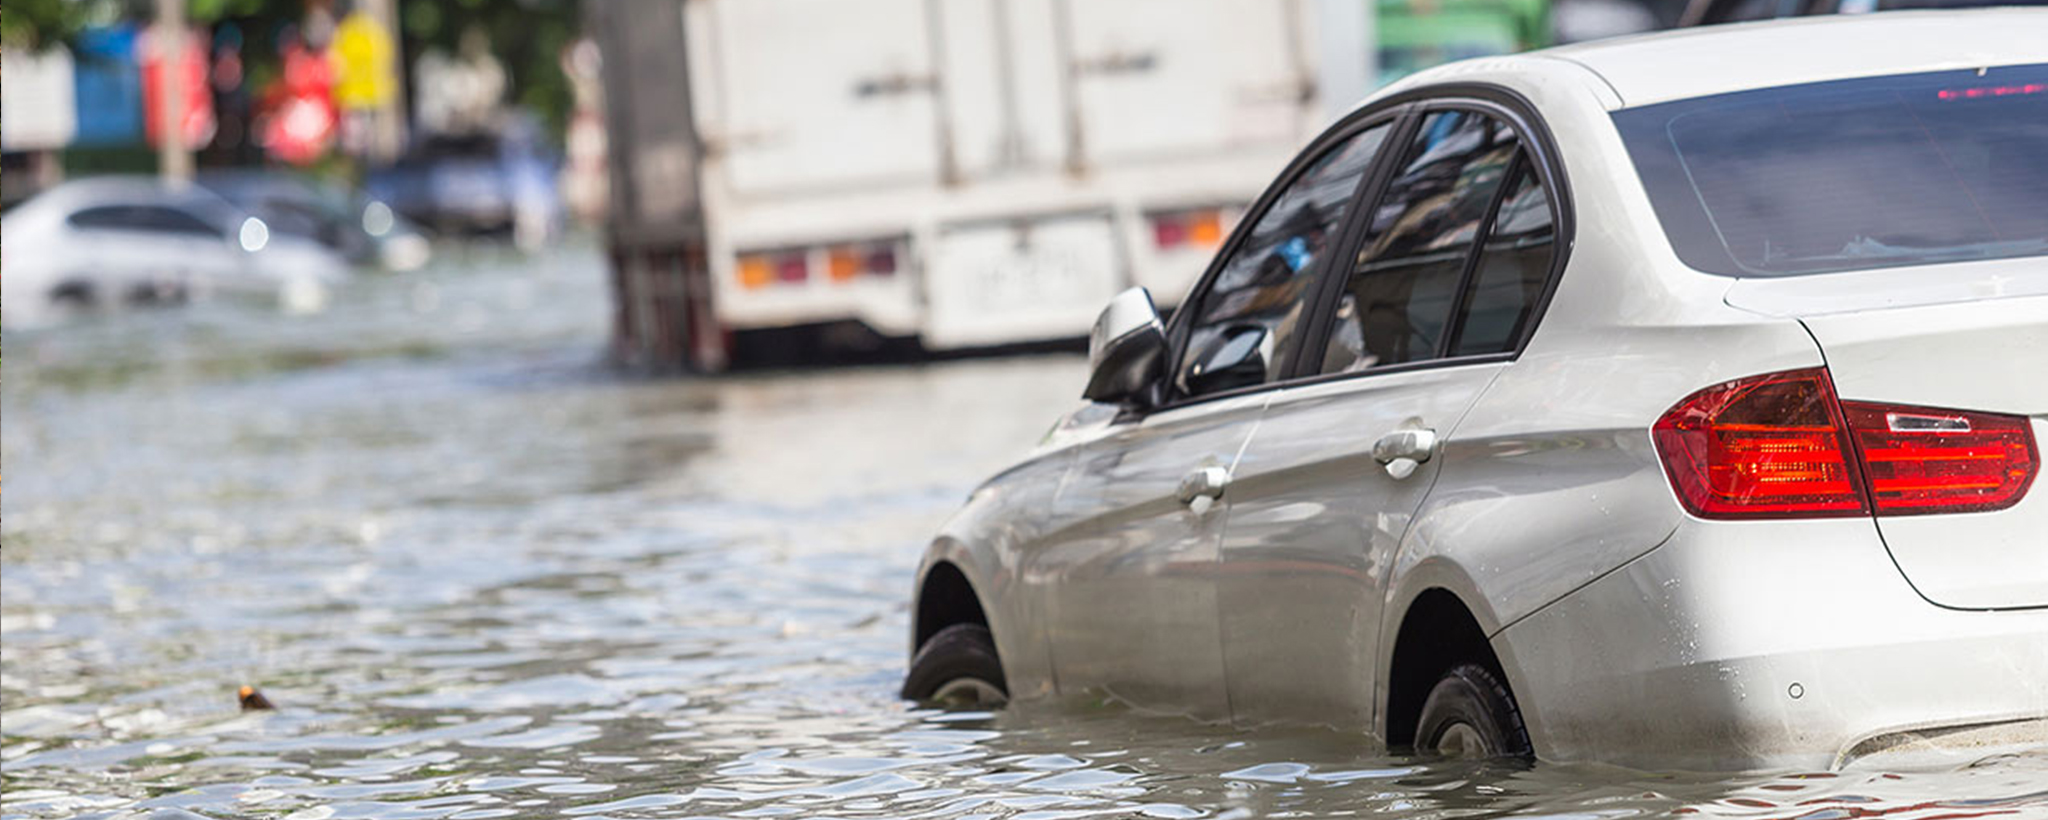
1961, 337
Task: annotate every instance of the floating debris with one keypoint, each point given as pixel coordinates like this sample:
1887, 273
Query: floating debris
253, 700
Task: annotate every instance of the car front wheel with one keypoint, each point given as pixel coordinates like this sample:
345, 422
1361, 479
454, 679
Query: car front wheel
957, 667
1471, 714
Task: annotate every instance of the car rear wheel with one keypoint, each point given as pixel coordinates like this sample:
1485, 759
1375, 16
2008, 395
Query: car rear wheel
957, 667
1471, 714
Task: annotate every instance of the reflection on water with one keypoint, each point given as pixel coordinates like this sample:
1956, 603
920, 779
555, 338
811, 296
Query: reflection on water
482, 577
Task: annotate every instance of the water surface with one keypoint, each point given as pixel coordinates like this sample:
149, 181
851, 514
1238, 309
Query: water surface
482, 576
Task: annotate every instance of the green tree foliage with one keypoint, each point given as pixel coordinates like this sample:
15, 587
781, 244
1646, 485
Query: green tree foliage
527, 36
40, 24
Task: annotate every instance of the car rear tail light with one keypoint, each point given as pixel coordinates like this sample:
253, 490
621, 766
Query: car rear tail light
1781, 445
1926, 460
1763, 447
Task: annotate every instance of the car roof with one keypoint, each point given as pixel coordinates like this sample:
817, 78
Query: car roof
1697, 62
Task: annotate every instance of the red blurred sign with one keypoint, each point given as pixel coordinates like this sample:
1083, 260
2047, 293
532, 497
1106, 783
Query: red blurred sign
188, 60
302, 117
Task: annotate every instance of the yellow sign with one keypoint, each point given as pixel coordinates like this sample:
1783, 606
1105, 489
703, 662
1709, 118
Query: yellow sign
364, 63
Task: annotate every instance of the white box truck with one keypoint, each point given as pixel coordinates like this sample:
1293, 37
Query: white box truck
970, 173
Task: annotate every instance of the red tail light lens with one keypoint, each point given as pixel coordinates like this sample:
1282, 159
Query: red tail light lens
1780, 446
1763, 447
1926, 460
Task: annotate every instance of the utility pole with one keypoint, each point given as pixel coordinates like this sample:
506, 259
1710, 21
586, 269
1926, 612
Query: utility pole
174, 161
387, 137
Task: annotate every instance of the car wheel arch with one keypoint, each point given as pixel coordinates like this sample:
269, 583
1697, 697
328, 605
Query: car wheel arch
1434, 627
946, 595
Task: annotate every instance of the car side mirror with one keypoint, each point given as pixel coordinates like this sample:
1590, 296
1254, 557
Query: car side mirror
1126, 350
1234, 358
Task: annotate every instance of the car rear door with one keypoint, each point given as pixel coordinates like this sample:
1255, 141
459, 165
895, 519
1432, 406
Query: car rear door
1439, 294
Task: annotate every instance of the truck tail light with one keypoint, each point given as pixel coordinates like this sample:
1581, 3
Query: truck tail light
850, 262
1925, 460
793, 267
1202, 228
756, 271
836, 263
1781, 445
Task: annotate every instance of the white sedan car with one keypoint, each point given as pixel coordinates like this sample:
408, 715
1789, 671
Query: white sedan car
114, 241
1672, 400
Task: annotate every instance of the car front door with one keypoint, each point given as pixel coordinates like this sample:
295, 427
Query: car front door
1437, 297
1131, 586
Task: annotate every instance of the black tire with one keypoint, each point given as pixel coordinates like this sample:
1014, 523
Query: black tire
1471, 697
957, 666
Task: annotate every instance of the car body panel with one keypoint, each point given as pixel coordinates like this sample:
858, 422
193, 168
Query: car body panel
1985, 356
1675, 65
1314, 524
1860, 291
1129, 588
1763, 644
986, 541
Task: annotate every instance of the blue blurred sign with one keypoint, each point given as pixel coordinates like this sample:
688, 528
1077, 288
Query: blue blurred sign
109, 87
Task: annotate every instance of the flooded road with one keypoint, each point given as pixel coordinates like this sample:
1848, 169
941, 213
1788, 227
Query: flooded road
482, 576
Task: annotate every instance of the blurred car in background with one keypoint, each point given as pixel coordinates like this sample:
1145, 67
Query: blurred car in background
1712, 12
364, 230
118, 241
493, 183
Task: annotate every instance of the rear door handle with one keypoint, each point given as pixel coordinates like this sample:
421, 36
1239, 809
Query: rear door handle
1413, 445
1207, 482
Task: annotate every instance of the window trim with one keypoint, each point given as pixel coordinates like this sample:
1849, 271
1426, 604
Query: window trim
1404, 111
1398, 115
1539, 145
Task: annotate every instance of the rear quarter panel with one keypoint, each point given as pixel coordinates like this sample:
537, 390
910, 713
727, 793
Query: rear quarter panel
1551, 480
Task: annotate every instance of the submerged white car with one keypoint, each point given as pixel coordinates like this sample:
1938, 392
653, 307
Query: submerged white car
114, 241
1672, 400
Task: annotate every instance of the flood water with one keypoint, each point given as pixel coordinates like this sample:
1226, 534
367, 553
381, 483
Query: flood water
481, 575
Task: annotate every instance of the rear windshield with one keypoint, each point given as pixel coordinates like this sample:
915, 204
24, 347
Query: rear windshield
1869, 173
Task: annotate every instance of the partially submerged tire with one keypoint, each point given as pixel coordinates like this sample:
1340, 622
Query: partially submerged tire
1471, 714
957, 667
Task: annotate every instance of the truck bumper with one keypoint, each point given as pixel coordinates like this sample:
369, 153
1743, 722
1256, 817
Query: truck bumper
1784, 644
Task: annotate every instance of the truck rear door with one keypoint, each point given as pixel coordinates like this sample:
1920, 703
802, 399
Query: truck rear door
1155, 79
810, 96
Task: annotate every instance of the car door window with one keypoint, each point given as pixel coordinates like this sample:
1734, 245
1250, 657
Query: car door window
1514, 266
1397, 303
174, 221
144, 218
1244, 321
107, 217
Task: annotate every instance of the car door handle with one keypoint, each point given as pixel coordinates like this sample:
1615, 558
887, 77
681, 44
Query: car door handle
1414, 445
1207, 482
